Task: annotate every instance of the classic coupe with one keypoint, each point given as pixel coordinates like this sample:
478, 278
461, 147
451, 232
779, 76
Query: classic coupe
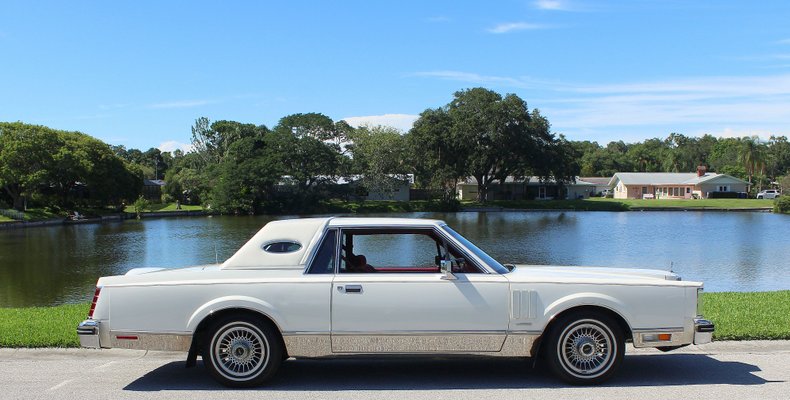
324, 287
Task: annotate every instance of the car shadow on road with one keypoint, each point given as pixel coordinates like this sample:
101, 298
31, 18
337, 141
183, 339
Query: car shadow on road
437, 373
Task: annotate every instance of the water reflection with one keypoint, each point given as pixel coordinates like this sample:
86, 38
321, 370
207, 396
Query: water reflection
729, 251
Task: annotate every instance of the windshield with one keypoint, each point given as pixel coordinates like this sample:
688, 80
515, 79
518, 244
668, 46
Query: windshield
494, 264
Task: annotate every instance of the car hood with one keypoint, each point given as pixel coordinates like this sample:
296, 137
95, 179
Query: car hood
595, 275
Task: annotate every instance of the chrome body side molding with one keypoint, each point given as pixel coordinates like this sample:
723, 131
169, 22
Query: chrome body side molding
312, 344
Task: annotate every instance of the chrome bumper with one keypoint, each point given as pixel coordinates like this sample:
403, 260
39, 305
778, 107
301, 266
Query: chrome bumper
88, 332
703, 331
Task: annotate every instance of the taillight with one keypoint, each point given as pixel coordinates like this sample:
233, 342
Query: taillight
93, 303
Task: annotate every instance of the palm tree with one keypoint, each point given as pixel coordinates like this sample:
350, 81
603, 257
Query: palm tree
752, 156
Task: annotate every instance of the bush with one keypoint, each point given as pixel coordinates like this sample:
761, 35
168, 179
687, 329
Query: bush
167, 198
724, 195
140, 205
782, 205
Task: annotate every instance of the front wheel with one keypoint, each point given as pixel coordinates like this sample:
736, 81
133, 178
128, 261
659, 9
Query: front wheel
242, 351
585, 349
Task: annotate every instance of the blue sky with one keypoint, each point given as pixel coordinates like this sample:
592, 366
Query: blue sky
139, 73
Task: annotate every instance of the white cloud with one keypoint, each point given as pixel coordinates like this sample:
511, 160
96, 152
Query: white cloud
173, 145
515, 26
477, 79
180, 104
402, 122
556, 5
783, 41
743, 132
746, 105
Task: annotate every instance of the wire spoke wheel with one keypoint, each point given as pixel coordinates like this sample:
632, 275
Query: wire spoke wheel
239, 352
585, 349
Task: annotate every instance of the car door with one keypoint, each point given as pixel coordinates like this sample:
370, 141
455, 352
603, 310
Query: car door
408, 307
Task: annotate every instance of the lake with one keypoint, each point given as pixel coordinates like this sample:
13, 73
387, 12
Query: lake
729, 251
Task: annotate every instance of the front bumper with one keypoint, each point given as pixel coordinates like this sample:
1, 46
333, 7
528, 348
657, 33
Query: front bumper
88, 332
703, 331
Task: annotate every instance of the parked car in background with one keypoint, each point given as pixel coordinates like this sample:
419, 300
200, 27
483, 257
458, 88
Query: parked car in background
327, 287
768, 194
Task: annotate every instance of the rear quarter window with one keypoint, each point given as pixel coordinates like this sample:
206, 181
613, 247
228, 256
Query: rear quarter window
284, 246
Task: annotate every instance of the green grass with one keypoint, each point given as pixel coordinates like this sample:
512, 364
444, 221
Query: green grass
41, 214
41, 326
604, 204
691, 203
159, 207
3, 218
749, 316
738, 316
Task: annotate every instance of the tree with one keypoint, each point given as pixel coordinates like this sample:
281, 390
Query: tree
212, 141
777, 156
315, 125
439, 157
26, 157
499, 134
380, 154
752, 156
246, 178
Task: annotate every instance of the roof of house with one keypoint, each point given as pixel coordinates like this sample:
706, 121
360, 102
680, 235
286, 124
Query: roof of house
596, 180
529, 180
666, 178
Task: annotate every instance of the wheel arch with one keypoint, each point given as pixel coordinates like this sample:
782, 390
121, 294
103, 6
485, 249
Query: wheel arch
205, 316
582, 309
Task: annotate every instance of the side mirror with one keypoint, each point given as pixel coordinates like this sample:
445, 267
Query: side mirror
446, 268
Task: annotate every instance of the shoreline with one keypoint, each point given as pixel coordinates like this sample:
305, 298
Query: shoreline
101, 219
195, 213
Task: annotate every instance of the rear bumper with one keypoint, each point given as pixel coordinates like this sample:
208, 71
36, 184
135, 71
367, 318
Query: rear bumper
703, 331
88, 332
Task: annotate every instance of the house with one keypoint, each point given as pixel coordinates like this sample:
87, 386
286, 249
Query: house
527, 188
601, 183
152, 189
673, 185
396, 189
354, 186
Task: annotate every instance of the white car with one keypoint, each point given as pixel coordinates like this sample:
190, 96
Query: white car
768, 194
323, 287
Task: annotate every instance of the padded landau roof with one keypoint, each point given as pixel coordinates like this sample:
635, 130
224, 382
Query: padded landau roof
306, 232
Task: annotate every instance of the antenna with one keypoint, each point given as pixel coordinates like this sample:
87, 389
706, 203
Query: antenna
216, 254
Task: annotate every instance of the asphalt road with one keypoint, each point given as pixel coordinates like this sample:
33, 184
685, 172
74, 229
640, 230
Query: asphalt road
722, 370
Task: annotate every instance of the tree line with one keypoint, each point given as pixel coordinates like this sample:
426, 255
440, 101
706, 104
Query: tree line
243, 168
761, 163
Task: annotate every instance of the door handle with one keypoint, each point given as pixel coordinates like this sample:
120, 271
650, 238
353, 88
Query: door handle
352, 288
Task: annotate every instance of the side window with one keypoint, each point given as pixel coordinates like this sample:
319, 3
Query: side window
324, 260
396, 251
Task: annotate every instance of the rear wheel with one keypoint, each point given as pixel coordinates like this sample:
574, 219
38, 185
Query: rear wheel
585, 349
242, 351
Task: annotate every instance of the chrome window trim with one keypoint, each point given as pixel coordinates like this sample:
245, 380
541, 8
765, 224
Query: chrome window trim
481, 266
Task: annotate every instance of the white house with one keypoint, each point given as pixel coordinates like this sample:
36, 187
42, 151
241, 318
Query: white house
528, 188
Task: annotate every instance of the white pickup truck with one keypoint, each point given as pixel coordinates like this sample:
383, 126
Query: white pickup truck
324, 287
